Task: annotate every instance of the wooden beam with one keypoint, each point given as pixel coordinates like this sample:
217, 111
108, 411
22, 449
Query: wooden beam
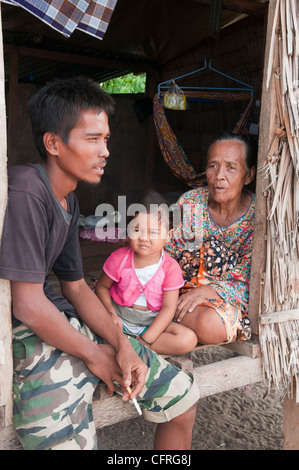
248, 7
249, 348
284, 315
268, 123
212, 378
76, 58
228, 374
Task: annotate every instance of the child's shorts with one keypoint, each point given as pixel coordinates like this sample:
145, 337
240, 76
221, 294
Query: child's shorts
135, 322
53, 392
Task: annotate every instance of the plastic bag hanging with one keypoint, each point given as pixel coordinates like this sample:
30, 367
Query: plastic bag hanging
174, 98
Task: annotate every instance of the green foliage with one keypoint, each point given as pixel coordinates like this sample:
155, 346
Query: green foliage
127, 84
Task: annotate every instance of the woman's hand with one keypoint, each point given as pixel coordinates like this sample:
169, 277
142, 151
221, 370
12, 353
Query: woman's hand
195, 297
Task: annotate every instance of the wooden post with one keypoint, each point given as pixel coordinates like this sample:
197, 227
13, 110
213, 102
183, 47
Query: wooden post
291, 422
268, 123
5, 311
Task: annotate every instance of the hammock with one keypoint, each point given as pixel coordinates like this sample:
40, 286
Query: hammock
171, 149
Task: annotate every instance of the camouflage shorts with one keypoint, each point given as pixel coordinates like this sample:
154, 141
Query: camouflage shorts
53, 392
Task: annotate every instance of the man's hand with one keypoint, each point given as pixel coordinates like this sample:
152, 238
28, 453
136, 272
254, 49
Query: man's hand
103, 365
93, 313
125, 367
133, 369
115, 360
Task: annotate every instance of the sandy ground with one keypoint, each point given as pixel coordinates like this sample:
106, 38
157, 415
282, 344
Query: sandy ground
240, 419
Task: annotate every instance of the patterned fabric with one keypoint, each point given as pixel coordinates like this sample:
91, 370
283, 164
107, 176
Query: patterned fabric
53, 392
212, 256
202, 267
172, 151
96, 19
237, 325
218, 257
89, 16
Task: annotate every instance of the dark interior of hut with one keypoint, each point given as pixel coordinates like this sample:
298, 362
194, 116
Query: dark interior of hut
164, 40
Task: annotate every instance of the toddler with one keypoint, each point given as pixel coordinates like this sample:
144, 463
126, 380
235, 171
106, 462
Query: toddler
140, 283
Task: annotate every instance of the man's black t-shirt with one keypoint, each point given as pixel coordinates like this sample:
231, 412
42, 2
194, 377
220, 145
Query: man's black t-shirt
38, 234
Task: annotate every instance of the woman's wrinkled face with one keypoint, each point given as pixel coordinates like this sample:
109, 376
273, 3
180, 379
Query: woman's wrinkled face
226, 171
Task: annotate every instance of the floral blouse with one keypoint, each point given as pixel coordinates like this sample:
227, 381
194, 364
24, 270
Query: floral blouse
225, 252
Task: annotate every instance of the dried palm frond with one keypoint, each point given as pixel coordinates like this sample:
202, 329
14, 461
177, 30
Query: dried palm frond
280, 338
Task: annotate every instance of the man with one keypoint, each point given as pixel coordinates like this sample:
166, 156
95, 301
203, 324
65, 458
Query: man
64, 344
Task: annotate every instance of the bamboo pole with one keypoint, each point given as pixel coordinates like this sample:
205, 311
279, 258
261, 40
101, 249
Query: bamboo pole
5, 296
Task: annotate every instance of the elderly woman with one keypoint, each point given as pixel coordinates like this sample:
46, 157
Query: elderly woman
214, 243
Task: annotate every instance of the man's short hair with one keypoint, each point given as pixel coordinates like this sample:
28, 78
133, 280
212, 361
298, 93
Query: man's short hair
58, 105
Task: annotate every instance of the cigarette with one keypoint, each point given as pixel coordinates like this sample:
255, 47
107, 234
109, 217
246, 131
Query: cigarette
134, 401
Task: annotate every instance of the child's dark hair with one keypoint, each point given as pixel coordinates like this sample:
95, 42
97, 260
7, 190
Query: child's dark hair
57, 107
151, 202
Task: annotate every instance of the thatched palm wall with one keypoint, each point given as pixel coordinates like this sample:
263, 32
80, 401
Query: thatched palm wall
279, 329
